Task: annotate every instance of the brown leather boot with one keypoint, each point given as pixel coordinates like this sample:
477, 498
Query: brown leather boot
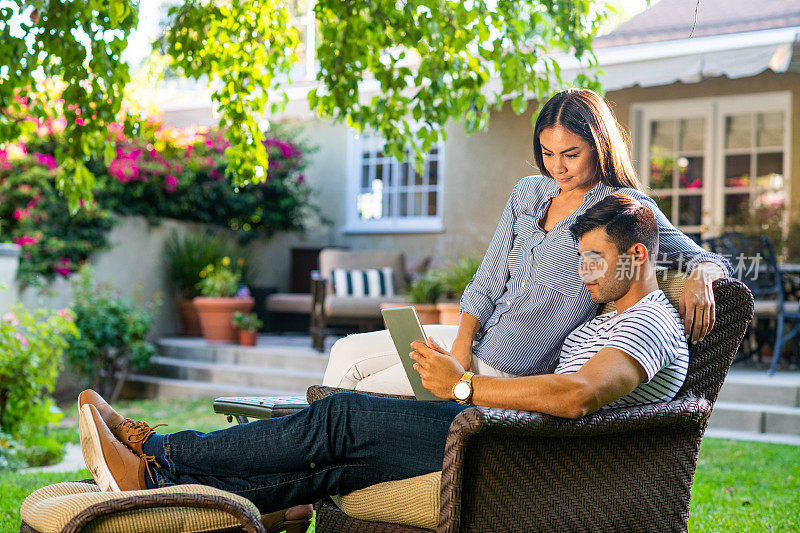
113, 466
132, 434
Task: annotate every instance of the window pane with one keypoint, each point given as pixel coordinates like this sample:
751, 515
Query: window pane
403, 209
692, 134
434, 151
690, 210
364, 176
379, 171
769, 170
388, 204
370, 203
768, 205
739, 131
417, 178
433, 173
664, 204
770, 129
690, 172
419, 203
737, 171
432, 206
404, 173
388, 174
662, 137
661, 172
737, 209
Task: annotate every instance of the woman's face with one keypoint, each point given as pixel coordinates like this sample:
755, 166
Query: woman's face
568, 159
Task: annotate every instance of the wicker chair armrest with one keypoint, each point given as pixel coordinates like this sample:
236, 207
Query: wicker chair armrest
318, 392
682, 412
250, 522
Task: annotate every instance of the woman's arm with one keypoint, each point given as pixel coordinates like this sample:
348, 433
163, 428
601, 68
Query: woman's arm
696, 305
486, 286
489, 281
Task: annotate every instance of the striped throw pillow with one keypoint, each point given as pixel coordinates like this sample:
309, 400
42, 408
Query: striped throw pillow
372, 282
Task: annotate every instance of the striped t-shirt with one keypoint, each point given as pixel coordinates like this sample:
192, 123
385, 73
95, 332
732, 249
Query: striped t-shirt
649, 331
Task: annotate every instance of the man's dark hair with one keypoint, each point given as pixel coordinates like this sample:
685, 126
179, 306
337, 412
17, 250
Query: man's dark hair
625, 220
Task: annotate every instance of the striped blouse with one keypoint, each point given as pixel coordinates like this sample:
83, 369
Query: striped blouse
649, 331
527, 294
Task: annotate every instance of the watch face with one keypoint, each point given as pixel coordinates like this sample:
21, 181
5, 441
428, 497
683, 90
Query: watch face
461, 391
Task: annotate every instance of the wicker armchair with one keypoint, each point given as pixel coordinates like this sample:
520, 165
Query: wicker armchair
625, 469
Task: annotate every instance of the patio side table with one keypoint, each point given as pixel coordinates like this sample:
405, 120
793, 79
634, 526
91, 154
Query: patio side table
242, 407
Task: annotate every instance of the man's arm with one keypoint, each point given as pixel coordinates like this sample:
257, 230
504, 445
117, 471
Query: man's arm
609, 375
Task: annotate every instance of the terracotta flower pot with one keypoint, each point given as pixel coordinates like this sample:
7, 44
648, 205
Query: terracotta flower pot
427, 313
216, 315
190, 321
449, 313
248, 338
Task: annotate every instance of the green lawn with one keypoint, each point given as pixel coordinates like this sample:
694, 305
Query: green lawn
739, 486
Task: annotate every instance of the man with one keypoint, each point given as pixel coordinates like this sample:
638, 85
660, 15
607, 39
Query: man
348, 441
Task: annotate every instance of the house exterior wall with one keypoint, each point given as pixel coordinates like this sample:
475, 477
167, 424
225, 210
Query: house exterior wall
480, 171
622, 101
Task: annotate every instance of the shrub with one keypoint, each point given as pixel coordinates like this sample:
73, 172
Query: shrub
457, 276
426, 289
113, 330
186, 256
221, 280
54, 242
32, 345
246, 322
150, 169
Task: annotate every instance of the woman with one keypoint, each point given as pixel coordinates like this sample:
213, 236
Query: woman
527, 296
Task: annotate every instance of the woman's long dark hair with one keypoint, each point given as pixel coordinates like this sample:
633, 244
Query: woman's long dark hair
584, 113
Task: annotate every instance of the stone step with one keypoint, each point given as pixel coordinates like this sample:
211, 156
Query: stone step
733, 434
253, 376
759, 388
756, 418
267, 356
144, 386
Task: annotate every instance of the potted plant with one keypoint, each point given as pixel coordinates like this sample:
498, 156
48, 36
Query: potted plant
247, 325
455, 279
185, 256
218, 300
423, 293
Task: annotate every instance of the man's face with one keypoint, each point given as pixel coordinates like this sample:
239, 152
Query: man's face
600, 265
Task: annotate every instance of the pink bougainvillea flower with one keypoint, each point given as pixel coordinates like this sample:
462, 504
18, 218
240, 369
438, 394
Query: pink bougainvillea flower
215, 174
11, 318
63, 268
64, 313
80, 122
170, 183
116, 130
59, 124
124, 167
46, 160
19, 214
25, 239
301, 179
22, 340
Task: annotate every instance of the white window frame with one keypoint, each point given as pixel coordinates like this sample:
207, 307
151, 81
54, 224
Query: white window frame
394, 224
714, 110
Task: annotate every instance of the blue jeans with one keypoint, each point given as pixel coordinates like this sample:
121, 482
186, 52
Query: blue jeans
341, 443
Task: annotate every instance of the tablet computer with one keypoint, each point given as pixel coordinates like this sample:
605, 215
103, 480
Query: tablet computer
404, 327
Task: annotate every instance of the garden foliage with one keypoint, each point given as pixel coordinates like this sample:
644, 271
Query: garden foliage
434, 60
149, 169
32, 345
112, 335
